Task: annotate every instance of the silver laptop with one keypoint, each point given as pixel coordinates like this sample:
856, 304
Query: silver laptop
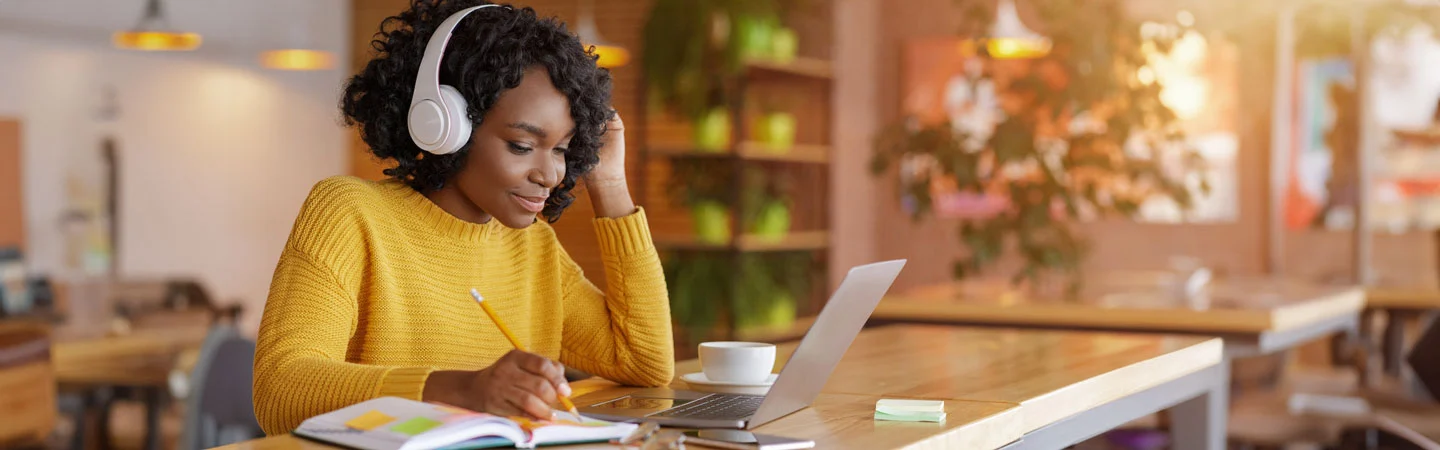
796, 387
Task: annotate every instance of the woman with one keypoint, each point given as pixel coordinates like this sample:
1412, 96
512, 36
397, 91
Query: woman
371, 294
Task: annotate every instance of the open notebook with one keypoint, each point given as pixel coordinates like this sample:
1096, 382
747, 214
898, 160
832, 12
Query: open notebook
391, 423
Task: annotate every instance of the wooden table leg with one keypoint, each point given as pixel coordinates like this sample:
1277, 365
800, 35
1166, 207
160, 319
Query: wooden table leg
1200, 423
1394, 344
152, 418
1363, 350
102, 423
87, 404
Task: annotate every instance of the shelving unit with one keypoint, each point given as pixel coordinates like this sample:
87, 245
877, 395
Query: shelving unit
801, 67
752, 151
802, 88
795, 240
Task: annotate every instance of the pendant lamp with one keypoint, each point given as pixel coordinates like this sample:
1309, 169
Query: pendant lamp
611, 55
1011, 39
297, 53
153, 33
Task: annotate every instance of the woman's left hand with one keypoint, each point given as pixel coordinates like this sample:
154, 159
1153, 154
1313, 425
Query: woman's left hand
611, 169
609, 193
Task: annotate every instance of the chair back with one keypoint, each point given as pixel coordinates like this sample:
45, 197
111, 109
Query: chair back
219, 408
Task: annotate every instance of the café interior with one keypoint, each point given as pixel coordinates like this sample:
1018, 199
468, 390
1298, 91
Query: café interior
1127, 224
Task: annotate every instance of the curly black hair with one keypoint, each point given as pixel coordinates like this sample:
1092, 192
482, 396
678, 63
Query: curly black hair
487, 54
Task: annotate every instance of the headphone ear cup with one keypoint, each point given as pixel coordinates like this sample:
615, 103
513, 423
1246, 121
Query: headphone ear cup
459, 120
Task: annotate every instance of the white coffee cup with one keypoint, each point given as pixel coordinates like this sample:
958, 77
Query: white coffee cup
737, 362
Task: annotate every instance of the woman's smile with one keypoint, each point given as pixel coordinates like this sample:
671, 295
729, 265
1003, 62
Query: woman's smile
531, 203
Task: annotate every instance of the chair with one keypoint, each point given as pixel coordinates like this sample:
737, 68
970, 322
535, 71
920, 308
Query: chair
1401, 416
167, 303
152, 306
1424, 361
219, 408
27, 379
1330, 407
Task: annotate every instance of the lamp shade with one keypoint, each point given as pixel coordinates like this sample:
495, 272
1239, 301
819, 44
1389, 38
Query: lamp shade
1011, 39
156, 40
611, 55
152, 33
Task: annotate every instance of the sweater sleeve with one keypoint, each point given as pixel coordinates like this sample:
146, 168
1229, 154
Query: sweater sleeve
623, 333
300, 368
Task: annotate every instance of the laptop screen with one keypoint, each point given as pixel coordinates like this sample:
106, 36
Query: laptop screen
828, 339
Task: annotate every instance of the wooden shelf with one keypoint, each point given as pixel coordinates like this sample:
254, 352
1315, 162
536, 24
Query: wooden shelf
795, 240
797, 153
752, 151
800, 66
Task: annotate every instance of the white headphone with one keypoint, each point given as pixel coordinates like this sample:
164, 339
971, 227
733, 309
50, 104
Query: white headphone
438, 121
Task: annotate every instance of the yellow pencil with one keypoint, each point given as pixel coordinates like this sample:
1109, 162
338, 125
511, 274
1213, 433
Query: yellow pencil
516, 342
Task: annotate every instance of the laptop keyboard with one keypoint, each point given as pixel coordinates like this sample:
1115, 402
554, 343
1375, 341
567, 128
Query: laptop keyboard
717, 407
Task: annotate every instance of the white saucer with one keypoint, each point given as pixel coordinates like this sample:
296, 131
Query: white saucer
698, 381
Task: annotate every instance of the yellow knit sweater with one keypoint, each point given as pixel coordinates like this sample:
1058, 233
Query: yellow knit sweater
371, 295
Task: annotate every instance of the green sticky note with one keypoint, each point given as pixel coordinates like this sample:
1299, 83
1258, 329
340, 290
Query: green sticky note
891, 405
416, 426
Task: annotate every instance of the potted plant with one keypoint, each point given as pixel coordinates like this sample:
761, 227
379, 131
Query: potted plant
713, 130
776, 129
694, 49
769, 290
1073, 143
704, 187
759, 291
699, 287
766, 211
784, 45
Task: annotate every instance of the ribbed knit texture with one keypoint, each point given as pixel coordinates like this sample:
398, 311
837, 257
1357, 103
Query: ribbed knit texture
371, 295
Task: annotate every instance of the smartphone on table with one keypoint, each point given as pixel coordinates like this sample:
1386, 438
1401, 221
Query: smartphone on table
744, 440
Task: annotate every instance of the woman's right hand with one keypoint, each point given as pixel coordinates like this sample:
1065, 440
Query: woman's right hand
518, 384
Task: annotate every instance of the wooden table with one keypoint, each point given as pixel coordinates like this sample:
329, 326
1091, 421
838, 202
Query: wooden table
833, 421
1012, 388
94, 354
1070, 385
1255, 317
1415, 299
139, 361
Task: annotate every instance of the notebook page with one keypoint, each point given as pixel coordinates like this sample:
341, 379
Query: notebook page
391, 423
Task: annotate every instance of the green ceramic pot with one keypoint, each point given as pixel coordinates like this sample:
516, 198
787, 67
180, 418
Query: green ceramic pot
777, 131
784, 45
773, 221
753, 37
781, 310
712, 132
712, 222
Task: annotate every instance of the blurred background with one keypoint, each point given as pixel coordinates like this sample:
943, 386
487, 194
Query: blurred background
154, 154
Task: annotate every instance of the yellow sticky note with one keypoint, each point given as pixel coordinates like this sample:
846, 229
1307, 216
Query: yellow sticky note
369, 421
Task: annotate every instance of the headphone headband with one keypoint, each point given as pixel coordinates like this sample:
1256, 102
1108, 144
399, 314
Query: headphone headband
427, 83
437, 117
